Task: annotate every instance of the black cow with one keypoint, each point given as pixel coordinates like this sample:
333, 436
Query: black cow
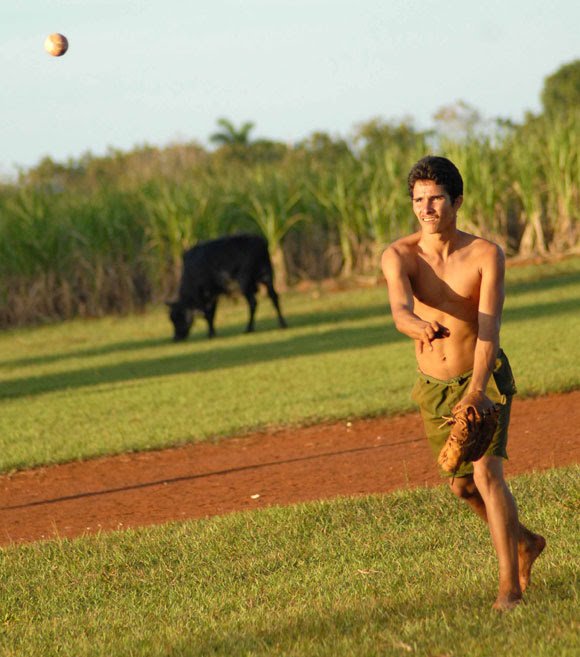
217, 267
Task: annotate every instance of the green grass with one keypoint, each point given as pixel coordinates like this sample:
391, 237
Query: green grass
80, 389
407, 573
411, 573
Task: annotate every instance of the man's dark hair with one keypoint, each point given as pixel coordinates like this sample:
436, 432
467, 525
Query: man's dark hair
439, 169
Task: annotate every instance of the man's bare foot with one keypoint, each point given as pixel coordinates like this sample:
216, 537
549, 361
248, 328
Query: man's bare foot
507, 602
529, 549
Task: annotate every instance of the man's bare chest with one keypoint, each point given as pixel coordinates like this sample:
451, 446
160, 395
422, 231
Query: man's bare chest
446, 287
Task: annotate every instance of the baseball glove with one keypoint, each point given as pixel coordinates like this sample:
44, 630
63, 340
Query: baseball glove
472, 428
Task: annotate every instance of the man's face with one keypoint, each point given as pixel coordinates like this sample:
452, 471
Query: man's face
433, 208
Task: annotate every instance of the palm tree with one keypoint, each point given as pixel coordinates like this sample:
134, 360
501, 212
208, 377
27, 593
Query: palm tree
231, 136
274, 206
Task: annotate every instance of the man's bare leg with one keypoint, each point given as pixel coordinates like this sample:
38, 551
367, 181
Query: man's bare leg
502, 520
529, 545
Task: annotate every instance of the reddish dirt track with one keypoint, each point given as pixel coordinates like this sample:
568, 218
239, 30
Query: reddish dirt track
259, 470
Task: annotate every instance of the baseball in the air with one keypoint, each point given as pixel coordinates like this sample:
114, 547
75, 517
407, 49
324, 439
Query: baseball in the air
56, 44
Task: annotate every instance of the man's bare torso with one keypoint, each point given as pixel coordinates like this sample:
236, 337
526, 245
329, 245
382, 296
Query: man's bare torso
446, 291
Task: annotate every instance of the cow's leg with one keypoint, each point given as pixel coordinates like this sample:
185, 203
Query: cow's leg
249, 291
274, 297
209, 314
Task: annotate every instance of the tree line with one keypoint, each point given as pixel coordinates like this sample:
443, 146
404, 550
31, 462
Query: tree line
97, 235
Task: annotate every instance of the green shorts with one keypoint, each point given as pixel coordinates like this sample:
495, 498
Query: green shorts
436, 398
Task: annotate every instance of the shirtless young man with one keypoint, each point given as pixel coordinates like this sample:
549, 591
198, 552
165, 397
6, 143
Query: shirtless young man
446, 290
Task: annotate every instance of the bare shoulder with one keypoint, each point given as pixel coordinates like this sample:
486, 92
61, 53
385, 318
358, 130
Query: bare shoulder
402, 252
485, 252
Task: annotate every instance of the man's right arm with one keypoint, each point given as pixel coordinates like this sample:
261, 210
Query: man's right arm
396, 272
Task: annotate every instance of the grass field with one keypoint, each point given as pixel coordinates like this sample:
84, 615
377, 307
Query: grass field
410, 573
86, 388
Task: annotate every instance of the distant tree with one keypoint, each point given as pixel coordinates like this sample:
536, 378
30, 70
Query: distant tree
561, 92
377, 135
323, 148
50, 175
457, 121
266, 150
229, 135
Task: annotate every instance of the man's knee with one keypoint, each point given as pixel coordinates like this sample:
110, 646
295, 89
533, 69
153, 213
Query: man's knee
463, 487
488, 473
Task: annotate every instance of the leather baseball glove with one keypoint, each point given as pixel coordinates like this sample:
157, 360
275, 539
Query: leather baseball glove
472, 428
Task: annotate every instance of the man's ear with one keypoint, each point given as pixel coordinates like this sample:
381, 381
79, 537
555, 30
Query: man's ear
458, 203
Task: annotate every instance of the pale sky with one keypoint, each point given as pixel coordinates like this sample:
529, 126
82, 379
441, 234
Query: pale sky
156, 72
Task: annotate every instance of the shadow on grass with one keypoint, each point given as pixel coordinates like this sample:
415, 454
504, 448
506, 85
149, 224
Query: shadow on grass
543, 282
225, 357
549, 310
298, 320
374, 624
199, 334
221, 357
117, 347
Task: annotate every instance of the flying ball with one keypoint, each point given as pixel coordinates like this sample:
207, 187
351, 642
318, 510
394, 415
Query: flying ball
56, 44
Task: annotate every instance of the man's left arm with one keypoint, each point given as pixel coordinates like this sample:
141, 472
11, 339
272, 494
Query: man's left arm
489, 318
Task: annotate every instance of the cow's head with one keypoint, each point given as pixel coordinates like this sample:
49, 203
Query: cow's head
182, 318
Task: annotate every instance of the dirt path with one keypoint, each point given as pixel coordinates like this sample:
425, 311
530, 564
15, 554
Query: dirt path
258, 470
